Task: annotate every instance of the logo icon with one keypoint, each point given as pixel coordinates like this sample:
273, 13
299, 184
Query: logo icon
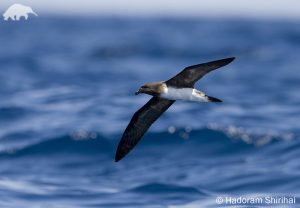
16, 11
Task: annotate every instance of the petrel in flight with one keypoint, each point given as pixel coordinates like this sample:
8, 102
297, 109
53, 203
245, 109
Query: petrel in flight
165, 93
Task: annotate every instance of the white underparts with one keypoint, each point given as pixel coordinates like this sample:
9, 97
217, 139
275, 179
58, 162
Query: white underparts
184, 94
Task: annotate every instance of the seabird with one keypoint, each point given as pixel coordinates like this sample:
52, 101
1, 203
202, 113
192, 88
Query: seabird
165, 93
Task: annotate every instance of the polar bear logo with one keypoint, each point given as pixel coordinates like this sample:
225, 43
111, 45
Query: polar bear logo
16, 11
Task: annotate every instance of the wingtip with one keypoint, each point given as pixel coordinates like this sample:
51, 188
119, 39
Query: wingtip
120, 155
229, 60
118, 158
221, 62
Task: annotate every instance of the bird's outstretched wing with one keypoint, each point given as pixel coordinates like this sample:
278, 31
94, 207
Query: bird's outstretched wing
140, 123
190, 75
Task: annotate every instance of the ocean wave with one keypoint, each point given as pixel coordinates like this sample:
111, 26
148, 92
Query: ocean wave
160, 188
211, 140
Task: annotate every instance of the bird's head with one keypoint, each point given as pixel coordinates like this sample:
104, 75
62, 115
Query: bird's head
152, 88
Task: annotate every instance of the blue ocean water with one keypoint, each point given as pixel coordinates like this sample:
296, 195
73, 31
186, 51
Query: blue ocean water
67, 94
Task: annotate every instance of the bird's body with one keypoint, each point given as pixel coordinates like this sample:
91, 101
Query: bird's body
165, 93
189, 94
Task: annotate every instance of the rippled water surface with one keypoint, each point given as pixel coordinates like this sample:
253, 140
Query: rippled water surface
66, 96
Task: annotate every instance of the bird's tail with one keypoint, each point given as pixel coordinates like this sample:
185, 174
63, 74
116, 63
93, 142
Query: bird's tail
212, 99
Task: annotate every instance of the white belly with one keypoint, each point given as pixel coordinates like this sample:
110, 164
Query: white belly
184, 94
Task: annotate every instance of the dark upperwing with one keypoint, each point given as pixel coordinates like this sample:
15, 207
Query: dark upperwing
190, 75
140, 123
